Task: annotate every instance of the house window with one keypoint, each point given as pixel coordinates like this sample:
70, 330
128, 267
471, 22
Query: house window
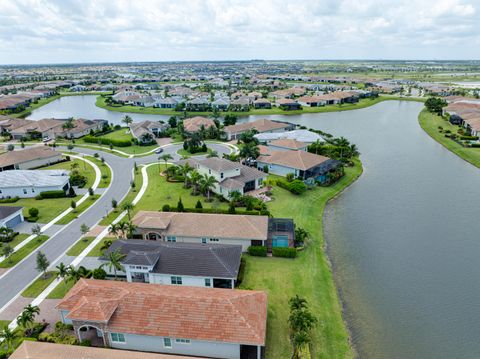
204, 240
221, 175
176, 280
24, 191
209, 172
171, 239
208, 282
167, 342
213, 239
182, 341
117, 337
33, 190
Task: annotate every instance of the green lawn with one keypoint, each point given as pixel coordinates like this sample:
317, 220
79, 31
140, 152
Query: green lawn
19, 238
34, 106
81, 208
430, 123
185, 153
273, 111
84, 168
308, 275
23, 252
61, 289
79, 246
138, 179
39, 285
121, 134
96, 252
160, 192
104, 169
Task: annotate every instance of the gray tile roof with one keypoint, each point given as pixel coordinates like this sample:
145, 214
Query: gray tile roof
195, 259
6, 211
33, 178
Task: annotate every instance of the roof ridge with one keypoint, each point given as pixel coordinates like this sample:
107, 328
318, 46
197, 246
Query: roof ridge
240, 314
211, 249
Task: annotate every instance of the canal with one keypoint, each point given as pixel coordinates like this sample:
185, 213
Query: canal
403, 239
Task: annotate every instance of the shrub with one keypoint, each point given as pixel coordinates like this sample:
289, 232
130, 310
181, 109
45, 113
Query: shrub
52, 194
231, 208
180, 207
90, 191
290, 177
33, 212
297, 187
469, 138
265, 169
284, 252
166, 208
99, 273
257, 251
9, 200
76, 179
241, 271
198, 205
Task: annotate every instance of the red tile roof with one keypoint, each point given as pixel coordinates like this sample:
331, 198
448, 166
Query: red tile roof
209, 314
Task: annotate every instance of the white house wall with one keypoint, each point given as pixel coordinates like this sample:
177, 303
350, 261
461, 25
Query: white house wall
18, 191
277, 169
39, 162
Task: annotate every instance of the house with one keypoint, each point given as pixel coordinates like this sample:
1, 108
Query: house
204, 228
285, 144
231, 176
43, 350
10, 216
30, 183
234, 132
139, 129
221, 104
302, 164
240, 104
167, 102
311, 101
305, 136
198, 104
184, 320
29, 158
195, 124
194, 264
7, 124
262, 103
288, 104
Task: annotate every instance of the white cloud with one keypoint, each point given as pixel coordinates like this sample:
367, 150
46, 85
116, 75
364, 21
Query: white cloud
105, 30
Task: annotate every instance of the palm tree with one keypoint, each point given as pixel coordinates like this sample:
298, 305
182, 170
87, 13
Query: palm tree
128, 206
297, 303
211, 153
130, 229
9, 336
249, 150
300, 340
62, 270
127, 120
207, 183
184, 170
114, 229
122, 228
195, 178
114, 262
165, 157
72, 274
235, 196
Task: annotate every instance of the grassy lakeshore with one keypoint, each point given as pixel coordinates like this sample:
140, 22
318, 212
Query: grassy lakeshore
273, 111
308, 275
430, 123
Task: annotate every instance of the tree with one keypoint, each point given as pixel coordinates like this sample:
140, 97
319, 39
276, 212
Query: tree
130, 230
235, 196
165, 158
36, 230
250, 150
27, 318
133, 185
9, 337
207, 183
172, 121
184, 170
33, 212
127, 120
84, 229
195, 178
114, 230
128, 206
6, 234
42, 264
146, 138
7, 251
180, 207
114, 262
301, 320
230, 119
90, 191
62, 270
122, 228
114, 204
435, 105
297, 303
68, 124
211, 153
198, 205
10, 147
73, 204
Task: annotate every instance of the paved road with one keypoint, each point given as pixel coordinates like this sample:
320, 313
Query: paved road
20, 276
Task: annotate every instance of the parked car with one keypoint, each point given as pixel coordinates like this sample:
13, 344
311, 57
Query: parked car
158, 151
46, 139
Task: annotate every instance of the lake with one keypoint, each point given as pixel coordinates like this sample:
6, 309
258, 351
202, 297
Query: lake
403, 239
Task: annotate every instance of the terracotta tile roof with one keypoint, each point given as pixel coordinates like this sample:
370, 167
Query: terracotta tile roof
39, 350
26, 155
204, 225
207, 314
294, 159
288, 143
195, 123
262, 125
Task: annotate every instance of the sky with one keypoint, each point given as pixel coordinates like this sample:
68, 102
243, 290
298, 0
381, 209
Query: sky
66, 31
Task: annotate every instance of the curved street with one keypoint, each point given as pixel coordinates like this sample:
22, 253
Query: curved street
15, 280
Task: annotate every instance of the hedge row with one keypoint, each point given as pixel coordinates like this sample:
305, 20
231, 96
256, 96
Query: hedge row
107, 141
257, 251
167, 208
9, 200
51, 194
284, 252
295, 187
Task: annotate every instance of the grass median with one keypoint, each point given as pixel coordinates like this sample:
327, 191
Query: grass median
78, 210
23, 252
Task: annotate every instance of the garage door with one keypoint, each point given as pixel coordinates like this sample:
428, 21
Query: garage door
14, 221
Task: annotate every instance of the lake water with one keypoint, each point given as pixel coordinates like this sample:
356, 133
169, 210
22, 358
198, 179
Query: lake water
404, 239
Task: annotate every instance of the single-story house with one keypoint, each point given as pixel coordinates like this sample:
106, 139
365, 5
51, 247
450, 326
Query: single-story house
194, 264
10, 216
198, 104
304, 136
240, 104
221, 104
194, 124
29, 158
302, 164
233, 132
262, 103
231, 176
285, 144
43, 350
155, 128
217, 323
288, 104
311, 101
30, 183
167, 102
205, 228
